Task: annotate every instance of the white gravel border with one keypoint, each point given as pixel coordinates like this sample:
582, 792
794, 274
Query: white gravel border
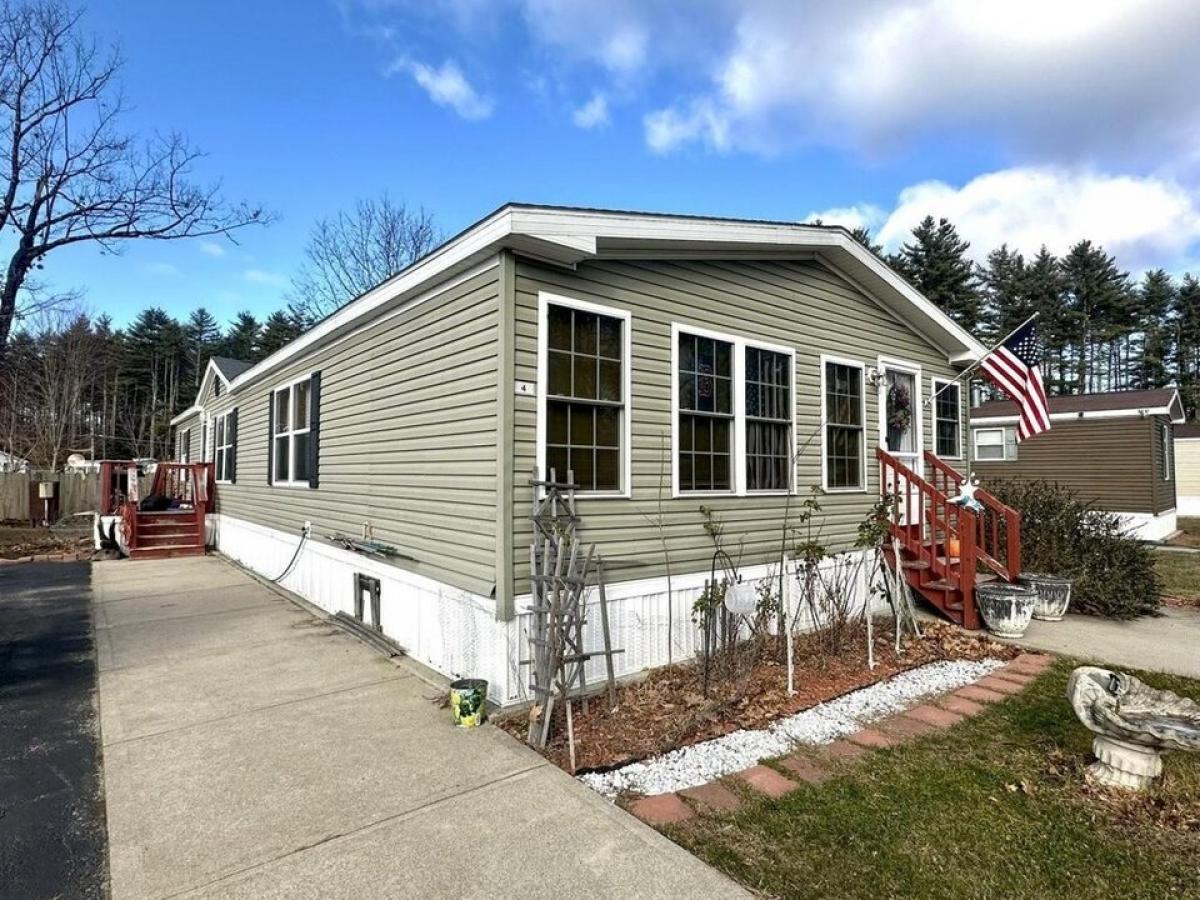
821, 724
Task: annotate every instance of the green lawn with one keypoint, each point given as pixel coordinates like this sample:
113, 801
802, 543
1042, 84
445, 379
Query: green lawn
994, 807
1180, 574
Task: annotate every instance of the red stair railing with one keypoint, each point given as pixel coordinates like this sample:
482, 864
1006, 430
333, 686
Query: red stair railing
998, 527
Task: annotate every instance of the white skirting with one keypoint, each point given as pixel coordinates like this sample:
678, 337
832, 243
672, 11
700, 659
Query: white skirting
1188, 504
1148, 526
457, 633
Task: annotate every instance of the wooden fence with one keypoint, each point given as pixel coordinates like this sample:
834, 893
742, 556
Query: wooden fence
76, 492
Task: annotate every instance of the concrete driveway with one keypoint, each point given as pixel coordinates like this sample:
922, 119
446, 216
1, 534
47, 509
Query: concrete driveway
252, 750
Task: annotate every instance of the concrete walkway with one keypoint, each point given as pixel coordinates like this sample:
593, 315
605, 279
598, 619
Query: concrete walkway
251, 750
1168, 643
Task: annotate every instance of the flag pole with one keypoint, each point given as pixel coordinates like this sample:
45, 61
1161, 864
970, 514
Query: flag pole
975, 365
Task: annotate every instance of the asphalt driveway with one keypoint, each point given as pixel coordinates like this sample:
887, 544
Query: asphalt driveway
253, 750
51, 808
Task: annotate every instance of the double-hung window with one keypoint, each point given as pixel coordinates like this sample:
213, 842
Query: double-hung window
734, 414
947, 419
995, 444
226, 437
768, 420
706, 415
845, 414
585, 381
290, 442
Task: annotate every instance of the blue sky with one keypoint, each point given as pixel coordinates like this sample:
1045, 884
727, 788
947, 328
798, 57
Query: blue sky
1031, 122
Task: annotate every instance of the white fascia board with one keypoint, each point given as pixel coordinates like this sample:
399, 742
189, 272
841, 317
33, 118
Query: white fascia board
567, 236
1072, 416
194, 410
458, 251
630, 226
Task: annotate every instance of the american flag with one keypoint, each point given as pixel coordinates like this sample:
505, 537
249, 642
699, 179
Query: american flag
1013, 367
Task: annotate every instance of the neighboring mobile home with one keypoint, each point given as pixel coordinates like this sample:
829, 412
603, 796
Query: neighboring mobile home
1187, 469
1114, 449
669, 361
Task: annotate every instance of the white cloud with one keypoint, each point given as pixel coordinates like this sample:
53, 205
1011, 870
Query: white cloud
1055, 78
593, 114
212, 248
259, 276
861, 215
1144, 221
447, 86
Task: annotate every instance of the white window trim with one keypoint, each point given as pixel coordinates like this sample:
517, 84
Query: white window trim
902, 365
862, 374
1168, 452
737, 479
545, 300
1004, 457
221, 423
937, 384
290, 386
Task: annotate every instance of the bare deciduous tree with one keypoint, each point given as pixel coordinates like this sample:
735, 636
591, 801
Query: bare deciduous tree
356, 250
70, 174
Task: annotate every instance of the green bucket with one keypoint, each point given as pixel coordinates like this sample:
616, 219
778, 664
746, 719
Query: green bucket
468, 698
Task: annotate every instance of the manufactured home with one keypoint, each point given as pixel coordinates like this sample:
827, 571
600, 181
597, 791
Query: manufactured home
1115, 449
669, 362
1187, 469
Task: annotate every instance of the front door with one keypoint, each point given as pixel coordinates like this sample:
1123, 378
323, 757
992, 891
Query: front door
900, 429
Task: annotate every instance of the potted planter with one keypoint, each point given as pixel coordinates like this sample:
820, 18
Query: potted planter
1006, 608
1053, 596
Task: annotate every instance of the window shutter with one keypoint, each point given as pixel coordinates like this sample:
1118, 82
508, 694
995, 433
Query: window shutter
314, 437
231, 453
270, 437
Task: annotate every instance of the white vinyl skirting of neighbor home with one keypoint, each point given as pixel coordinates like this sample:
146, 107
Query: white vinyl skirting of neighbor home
457, 633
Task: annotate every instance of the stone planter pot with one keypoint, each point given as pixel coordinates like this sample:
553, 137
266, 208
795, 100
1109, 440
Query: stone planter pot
1006, 608
1053, 596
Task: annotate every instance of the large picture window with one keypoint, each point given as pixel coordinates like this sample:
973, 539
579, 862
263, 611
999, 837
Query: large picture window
845, 426
947, 419
290, 444
706, 415
768, 420
585, 396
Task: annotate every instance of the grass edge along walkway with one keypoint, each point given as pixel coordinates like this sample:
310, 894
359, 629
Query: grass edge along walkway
995, 806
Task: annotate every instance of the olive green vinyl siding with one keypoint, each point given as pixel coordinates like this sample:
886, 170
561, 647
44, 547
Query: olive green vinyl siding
1113, 463
191, 425
800, 305
407, 437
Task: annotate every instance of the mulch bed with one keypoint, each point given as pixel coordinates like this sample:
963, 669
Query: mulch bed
666, 710
21, 543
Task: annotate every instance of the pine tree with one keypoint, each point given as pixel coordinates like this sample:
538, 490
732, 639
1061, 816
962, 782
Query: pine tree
241, 340
862, 234
1045, 287
1155, 296
280, 328
1005, 286
1185, 317
936, 263
203, 335
1097, 300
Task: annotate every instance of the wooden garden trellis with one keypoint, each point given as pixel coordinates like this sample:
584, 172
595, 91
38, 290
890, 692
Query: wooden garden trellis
559, 570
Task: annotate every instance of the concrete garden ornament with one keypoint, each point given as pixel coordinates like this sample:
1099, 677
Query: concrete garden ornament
1133, 723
